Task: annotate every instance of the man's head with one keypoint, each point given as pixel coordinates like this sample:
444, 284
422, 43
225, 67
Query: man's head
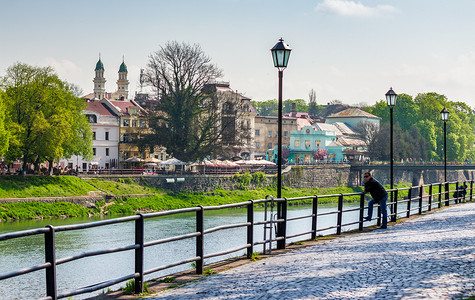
367, 176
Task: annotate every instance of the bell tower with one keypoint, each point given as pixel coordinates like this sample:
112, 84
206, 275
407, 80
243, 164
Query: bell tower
99, 81
122, 82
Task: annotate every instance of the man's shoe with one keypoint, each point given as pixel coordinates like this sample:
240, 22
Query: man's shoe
383, 227
367, 218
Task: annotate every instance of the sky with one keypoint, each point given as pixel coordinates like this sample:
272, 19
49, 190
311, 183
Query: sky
346, 50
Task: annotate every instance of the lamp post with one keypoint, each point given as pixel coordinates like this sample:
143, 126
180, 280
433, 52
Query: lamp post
280, 56
444, 114
391, 98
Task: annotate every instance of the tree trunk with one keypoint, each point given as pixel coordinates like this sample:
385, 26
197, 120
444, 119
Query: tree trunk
50, 167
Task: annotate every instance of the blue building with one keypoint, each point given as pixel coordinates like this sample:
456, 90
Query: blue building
304, 142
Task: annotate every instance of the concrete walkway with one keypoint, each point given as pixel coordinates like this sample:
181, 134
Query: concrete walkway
431, 257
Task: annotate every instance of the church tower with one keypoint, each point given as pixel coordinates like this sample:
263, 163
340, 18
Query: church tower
99, 81
123, 83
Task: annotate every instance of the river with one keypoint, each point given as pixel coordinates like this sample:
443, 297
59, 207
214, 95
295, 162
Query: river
28, 251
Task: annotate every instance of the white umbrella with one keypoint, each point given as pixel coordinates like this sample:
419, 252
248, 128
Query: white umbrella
172, 161
134, 159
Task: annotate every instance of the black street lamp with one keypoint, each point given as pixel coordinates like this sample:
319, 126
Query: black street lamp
391, 98
444, 114
280, 55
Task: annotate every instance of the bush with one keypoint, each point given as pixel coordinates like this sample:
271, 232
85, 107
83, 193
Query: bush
242, 180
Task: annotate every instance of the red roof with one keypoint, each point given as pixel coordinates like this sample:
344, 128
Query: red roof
124, 105
100, 108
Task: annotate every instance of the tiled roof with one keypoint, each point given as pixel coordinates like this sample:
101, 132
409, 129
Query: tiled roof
345, 141
100, 108
345, 129
353, 113
327, 127
301, 123
124, 105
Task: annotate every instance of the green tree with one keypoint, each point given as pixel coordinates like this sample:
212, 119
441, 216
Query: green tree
266, 108
193, 120
4, 135
300, 105
44, 116
423, 112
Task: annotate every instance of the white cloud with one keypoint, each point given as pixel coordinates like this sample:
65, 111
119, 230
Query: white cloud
352, 8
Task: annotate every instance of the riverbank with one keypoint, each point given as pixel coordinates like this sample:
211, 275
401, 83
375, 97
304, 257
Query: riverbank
124, 197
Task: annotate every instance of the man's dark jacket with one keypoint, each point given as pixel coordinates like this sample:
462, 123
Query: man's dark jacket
375, 188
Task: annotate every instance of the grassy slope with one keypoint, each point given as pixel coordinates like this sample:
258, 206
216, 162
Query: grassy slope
43, 186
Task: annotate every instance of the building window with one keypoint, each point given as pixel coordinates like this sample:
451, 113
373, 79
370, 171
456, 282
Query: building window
258, 132
107, 151
285, 133
258, 145
317, 144
93, 135
142, 123
270, 133
134, 123
126, 138
126, 122
92, 118
107, 165
269, 146
307, 144
297, 143
94, 151
84, 166
107, 135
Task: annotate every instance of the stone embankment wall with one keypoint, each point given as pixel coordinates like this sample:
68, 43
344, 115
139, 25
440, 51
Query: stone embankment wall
296, 177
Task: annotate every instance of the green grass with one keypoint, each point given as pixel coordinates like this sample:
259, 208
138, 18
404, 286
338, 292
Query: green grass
43, 186
122, 187
37, 210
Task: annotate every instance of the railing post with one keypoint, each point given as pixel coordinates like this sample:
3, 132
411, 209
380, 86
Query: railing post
430, 197
50, 257
200, 239
447, 196
340, 214
457, 199
378, 219
314, 218
282, 226
394, 216
360, 226
439, 205
139, 253
421, 193
464, 196
250, 228
471, 190
409, 197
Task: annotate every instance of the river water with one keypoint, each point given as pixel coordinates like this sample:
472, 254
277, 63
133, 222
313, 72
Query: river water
29, 251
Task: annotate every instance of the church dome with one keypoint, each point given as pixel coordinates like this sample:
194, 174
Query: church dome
123, 67
99, 66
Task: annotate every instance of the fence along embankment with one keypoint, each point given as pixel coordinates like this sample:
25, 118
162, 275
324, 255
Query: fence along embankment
401, 203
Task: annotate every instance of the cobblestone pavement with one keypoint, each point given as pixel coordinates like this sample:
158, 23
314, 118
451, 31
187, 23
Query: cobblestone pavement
432, 257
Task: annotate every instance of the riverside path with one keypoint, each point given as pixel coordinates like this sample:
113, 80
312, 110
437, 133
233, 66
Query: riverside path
430, 257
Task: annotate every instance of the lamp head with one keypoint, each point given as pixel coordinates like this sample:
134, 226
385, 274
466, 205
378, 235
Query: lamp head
280, 54
444, 114
391, 98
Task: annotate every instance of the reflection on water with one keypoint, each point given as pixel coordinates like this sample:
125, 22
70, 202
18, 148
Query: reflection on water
29, 251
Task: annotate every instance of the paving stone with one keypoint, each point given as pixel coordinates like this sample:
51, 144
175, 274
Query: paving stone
431, 257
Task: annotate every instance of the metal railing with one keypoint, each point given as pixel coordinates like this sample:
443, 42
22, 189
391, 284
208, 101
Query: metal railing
429, 196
